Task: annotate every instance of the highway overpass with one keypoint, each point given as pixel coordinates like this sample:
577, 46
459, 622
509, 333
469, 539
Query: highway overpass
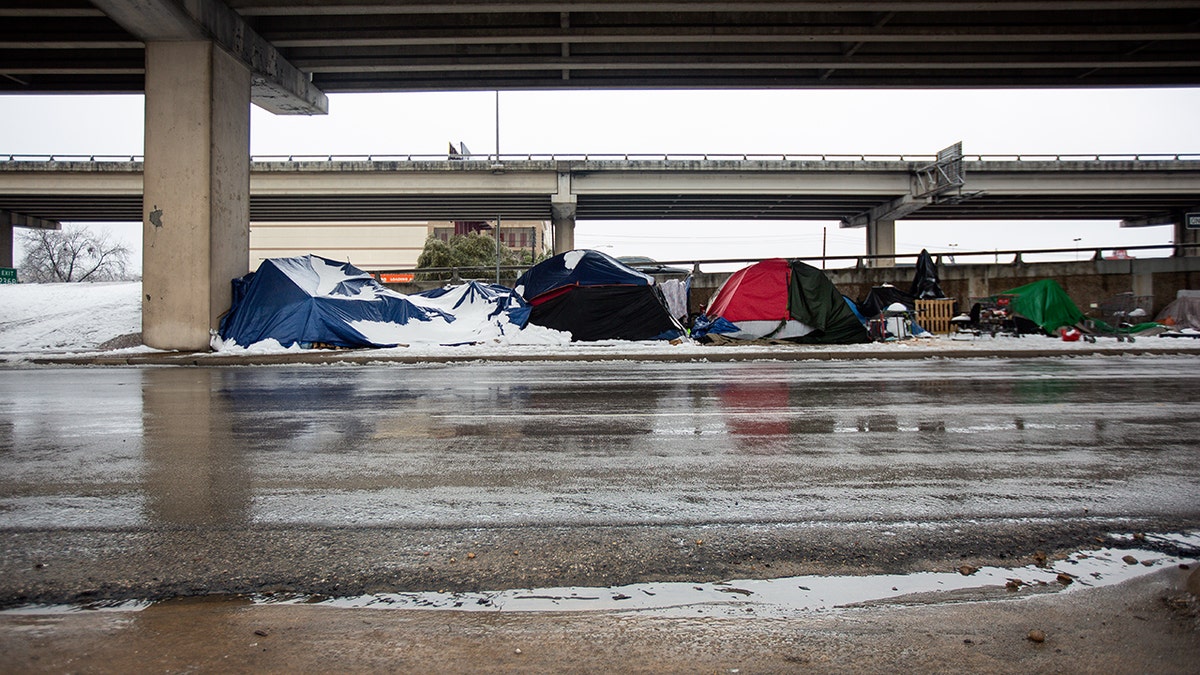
201, 63
856, 190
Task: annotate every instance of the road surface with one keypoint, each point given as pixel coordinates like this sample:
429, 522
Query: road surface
151, 483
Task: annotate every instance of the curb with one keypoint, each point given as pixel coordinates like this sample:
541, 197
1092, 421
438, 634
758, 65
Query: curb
366, 357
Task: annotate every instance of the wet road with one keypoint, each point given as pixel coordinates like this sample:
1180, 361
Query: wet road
136, 482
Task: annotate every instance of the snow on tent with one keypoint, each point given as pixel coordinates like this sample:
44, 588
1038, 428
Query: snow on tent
782, 300
594, 297
311, 300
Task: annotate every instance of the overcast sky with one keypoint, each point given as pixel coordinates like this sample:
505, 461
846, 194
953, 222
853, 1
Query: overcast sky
877, 122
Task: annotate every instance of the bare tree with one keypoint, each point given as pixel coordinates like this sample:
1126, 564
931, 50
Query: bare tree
71, 254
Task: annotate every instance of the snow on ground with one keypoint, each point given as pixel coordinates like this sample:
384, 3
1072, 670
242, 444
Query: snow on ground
67, 317
41, 319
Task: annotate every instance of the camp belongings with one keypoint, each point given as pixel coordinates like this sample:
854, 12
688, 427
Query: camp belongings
1045, 303
784, 300
310, 300
593, 296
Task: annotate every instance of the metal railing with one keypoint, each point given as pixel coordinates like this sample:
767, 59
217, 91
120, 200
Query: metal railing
477, 272
640, 157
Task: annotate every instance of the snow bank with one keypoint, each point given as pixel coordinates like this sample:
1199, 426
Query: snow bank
67, 317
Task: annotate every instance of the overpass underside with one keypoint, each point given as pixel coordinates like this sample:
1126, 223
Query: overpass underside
202, 62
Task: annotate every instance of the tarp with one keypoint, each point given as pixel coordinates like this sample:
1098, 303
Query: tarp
310, 300
578, 268
786, 300
925, 279
880, 298
1045, 303
1182, 312
593, 296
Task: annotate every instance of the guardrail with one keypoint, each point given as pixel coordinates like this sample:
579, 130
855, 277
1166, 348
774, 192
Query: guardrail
456, 274
642, 157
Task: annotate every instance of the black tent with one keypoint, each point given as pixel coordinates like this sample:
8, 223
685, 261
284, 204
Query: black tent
881, 297
594, 297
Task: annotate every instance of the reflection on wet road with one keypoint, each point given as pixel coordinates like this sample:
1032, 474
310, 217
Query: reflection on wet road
496, 444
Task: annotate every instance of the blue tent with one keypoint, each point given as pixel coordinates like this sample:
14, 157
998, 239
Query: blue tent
312, 300
595, 297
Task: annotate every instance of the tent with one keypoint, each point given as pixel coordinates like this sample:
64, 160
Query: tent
594, 297
925, 279
882, 297
783, 300
310, 300
1183, 312
1045, 303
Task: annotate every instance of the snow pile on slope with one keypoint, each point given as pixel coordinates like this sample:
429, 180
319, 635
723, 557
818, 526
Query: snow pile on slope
67, 317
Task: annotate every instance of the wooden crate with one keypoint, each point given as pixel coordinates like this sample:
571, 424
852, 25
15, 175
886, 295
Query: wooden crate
934, 315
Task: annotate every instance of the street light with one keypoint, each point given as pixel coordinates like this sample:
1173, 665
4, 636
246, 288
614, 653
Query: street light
1077, 240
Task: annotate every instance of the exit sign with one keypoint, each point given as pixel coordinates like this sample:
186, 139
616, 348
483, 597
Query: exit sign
8, 275
1193, 221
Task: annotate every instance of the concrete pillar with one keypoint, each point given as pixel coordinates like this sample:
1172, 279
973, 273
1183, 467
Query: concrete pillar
196, 234
1143, 284
563, 223
562, 214
1185, 236
881, 240
6, 243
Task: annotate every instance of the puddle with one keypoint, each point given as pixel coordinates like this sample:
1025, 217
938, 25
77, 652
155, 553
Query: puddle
773, 598
788, 596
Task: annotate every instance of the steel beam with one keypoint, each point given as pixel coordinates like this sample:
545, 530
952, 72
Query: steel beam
11, 219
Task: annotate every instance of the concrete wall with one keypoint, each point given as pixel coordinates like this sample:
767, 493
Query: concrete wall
1086, 282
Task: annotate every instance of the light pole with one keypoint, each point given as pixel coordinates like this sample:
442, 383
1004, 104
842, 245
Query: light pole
1077, 240
953, 248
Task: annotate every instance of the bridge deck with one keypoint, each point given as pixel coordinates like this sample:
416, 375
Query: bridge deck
666, 188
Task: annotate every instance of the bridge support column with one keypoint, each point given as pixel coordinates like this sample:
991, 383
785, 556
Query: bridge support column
563, 224
196, 204
6, 243
881, 240
562, 215
1186, 236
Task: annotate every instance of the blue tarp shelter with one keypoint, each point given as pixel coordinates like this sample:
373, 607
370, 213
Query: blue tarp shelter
310, 300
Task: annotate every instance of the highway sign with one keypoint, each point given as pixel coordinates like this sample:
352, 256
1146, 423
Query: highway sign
1193, 221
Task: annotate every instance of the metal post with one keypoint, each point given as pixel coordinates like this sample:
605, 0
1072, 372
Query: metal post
497, 238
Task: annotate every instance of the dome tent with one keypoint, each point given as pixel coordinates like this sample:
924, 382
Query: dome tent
594, 297
783, 300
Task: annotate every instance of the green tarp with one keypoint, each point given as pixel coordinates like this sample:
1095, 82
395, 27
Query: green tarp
1045, 303
814, 301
